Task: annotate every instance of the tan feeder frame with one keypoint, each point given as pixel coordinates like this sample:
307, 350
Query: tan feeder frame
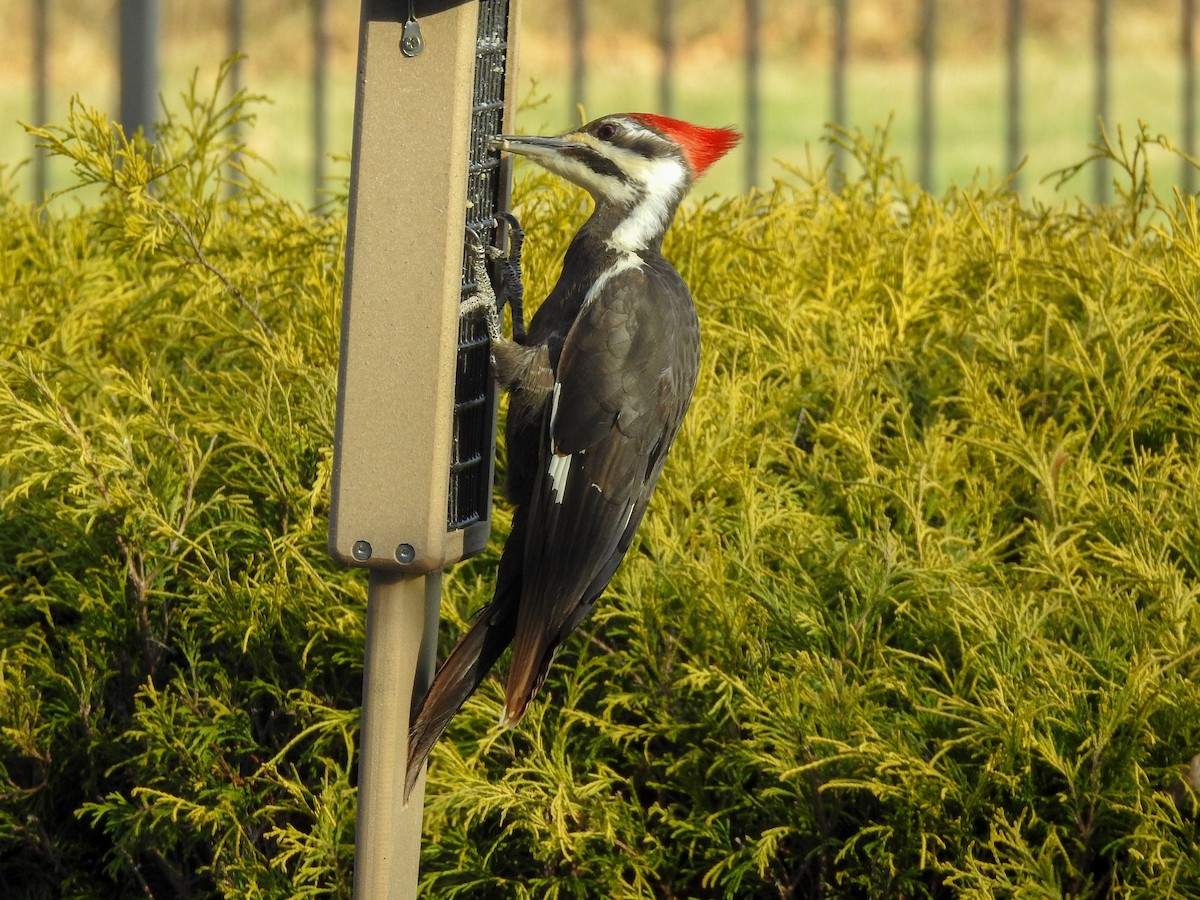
416, 409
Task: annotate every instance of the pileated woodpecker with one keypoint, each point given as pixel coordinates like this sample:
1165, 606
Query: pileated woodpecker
599, 387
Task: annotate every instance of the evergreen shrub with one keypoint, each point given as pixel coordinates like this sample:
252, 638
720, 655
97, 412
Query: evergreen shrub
913, 612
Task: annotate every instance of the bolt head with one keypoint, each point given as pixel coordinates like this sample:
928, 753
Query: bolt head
412, 44
405, 554
361, 550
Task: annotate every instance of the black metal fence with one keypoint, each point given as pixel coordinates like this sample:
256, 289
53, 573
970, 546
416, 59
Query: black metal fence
139, 42
926, 34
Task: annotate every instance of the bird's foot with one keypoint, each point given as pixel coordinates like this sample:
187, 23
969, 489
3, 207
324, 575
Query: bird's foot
512, 288
484, 297
509, 287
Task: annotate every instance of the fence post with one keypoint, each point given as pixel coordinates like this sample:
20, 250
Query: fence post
841, 36
1100, 187
1188, 54
237, 40
320, 63
925, 112
578, 52
753, 92
666, 44
138, 48
1012, 42
41, 56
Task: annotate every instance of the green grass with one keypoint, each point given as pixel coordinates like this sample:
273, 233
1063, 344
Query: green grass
913, 613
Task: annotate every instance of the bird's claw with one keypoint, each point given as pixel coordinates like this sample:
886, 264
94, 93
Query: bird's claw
484, 297
509, 290
512, 288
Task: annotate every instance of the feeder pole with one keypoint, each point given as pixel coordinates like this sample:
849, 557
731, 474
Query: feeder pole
415, 433
401, 641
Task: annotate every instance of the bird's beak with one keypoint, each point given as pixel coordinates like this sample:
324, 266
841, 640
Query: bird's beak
532, 146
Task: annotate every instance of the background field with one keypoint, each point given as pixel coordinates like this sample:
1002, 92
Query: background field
623, 71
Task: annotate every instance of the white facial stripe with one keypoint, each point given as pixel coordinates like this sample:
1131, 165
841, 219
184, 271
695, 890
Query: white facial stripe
663, 181
656, 175
596, 184
650, 188
634, 125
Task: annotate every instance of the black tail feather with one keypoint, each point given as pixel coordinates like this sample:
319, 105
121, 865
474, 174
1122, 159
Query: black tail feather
470, 660
458, 677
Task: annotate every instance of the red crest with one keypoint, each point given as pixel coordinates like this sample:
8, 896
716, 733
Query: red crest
701, 146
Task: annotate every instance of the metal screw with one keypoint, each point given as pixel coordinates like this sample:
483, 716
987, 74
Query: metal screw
405, 554
412, 42
361, 550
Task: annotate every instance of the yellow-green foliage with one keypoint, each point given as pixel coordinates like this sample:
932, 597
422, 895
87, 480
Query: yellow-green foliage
179, 662
914, 611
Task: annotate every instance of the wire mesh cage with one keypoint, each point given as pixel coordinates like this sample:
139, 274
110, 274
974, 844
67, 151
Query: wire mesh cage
470, 487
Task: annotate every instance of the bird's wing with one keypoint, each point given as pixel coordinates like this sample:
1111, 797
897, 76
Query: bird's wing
616, 406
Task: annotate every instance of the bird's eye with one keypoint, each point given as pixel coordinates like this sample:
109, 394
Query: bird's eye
606, 131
